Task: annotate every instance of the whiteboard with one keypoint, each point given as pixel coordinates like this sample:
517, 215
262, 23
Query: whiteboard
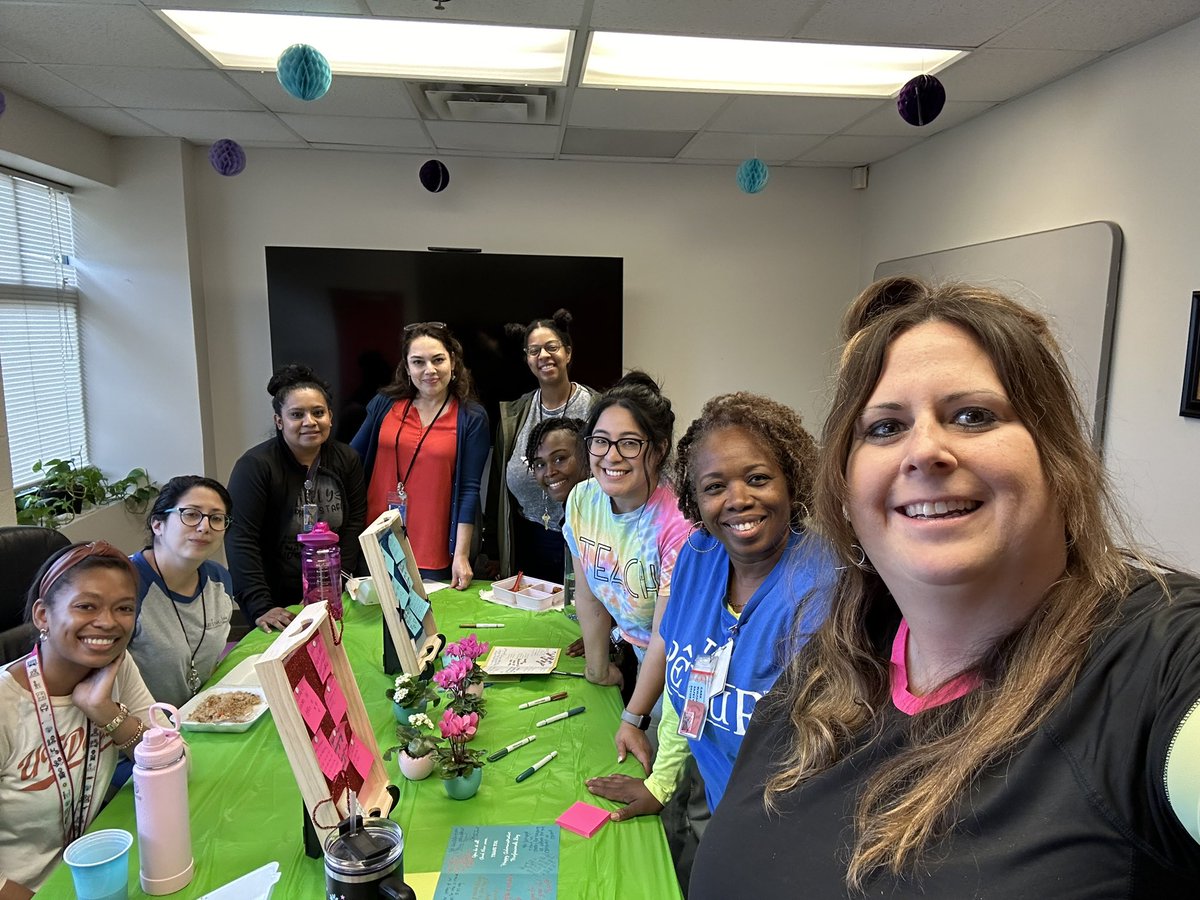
1068, 274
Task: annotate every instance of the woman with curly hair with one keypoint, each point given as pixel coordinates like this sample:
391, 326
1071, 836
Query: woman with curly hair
424, 446
1002, 702
749, 585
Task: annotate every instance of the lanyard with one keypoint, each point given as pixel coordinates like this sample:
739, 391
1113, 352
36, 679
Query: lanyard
74, 815
400, 482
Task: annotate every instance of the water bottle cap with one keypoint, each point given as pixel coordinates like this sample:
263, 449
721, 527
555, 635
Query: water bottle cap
160, 746
320, 536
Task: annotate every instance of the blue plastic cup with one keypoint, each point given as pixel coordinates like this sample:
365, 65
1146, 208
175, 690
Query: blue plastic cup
99, 864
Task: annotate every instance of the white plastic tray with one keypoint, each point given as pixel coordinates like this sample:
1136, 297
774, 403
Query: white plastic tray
241, 678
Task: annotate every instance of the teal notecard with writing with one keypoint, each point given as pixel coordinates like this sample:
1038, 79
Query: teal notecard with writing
491, 862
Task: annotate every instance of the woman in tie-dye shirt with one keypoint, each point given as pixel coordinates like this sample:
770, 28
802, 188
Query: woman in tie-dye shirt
624, 530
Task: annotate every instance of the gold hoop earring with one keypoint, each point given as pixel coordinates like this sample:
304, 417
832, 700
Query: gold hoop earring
699, 527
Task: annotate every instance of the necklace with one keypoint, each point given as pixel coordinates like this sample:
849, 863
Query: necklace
193, 677
401, 480
544, 411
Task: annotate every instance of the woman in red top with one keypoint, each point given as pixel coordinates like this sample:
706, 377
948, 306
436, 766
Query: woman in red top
424, 446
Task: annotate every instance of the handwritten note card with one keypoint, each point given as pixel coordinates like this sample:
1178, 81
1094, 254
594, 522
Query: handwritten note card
320, 658
335, 700
360, 757
327, 757
308, 701
500, 861
522, 660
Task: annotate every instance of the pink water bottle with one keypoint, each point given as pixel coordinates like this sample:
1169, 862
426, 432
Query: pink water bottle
160, 802
321, 568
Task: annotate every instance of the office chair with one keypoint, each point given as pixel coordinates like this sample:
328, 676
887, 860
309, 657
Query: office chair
23, 549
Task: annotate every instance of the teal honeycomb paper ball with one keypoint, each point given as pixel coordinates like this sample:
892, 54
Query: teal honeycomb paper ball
752, 175
304, 72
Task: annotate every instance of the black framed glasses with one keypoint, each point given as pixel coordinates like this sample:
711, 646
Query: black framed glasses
535, 350
191, 517
627, 448
415, 325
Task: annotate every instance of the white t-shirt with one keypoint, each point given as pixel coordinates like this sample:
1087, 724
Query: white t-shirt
31, 832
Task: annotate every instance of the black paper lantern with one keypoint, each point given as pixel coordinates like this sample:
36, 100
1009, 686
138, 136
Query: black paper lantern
435, 176
921, 100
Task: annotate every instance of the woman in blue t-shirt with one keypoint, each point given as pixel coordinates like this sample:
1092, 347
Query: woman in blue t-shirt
749, 571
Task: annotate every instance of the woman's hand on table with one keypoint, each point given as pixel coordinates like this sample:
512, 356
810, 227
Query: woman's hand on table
460, 573
623, 789
274, 619
575, 648
633, 740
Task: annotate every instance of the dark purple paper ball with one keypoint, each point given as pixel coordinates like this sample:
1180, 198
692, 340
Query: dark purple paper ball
435, 176
227, 157
921, 100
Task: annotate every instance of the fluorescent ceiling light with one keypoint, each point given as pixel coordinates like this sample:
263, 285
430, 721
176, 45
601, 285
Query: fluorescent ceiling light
666, 62
363, 45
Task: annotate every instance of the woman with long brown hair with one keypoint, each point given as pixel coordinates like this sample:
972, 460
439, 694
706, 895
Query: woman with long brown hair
1002, 702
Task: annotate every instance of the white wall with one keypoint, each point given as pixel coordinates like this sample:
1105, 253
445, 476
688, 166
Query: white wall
1117, 141
723, 290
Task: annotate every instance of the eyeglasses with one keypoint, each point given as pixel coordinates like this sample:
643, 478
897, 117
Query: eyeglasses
627, 448
535, 350
414, 325
192, 517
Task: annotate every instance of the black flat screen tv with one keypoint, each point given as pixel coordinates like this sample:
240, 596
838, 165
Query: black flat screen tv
343, 311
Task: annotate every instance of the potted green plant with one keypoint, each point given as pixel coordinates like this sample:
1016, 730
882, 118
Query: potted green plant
460, 768
455, 680
416, 756
66, 488
411, 694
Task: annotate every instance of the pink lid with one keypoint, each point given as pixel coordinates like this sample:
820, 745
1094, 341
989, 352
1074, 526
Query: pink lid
159, 746
320, 536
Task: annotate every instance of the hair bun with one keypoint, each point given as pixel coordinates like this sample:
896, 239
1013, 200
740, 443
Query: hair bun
878, 299
289, 375
636, 378
562, 319
514, 330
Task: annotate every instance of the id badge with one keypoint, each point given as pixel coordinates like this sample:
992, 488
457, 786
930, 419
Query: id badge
308, 517
720, 668
398, 500
695, 697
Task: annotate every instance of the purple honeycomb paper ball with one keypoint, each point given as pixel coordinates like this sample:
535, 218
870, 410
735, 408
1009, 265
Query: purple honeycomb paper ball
435, 176
227, 157
921, 100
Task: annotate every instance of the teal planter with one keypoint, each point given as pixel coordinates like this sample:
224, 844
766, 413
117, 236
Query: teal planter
404, 713
464, 787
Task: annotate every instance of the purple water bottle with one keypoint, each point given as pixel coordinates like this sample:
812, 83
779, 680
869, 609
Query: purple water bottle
321, 568
160, 802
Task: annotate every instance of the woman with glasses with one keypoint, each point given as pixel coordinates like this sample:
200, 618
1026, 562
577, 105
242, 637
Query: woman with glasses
68, 709
185, 599
624, 530
283, 487
529, 538
424, 446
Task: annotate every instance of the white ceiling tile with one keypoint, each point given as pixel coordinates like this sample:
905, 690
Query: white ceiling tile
348, 95
656, 110
476, 136
1086, 25
887, 121
1004, 74
537, 13
93, 34
772, 149
7, 55
791, 115
627, 143
158, 88
930, 23
760, 18
209, 125
358, 130
857, 151
44, 86
112, 121
330, 7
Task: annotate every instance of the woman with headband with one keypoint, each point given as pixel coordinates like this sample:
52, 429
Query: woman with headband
66, 710
424, 446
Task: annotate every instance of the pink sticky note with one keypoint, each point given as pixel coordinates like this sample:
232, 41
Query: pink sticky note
327, 757
361, 758
583, 819
310, 705
335, 700
320, 657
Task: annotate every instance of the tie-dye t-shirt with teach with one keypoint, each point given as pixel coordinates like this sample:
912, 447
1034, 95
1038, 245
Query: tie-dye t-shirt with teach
627, 557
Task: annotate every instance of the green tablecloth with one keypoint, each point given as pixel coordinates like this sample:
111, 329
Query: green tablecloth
246, 808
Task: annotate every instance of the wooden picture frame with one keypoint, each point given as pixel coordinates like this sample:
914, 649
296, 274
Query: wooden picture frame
407, 614
1189, 404
322, 722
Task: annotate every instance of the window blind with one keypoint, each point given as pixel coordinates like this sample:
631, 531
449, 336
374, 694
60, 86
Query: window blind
39, 328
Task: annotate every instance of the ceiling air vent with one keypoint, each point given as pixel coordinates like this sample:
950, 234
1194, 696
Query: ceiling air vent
487, 103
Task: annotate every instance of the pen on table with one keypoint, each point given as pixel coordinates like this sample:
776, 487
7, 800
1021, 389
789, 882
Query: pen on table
482, 625
500, 754
537, 765
561, 695
562, 715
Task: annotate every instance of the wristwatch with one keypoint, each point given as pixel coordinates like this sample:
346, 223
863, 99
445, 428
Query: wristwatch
640, 722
